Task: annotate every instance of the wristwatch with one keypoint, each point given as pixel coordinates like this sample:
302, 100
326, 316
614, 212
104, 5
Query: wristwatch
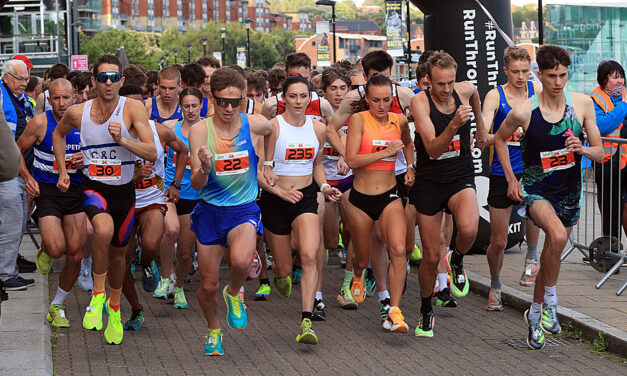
268, 163
176, 184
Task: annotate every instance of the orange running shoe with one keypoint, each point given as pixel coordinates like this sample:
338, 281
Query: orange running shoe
395, 321
357, 288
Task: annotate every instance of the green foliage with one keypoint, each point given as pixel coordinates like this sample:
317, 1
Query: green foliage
600, 344
570, 332
524, 13
109, 41
316, 11
346, 10
290, 5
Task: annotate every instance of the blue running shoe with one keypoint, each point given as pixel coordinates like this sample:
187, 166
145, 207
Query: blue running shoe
135, 321
235, 311
213, 342
297, 272
535, 337
550, 323
370, 282
150, 277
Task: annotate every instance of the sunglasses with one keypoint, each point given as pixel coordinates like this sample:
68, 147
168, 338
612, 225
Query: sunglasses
225, 102
105, 76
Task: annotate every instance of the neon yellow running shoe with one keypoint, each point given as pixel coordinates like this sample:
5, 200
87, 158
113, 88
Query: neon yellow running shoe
283, 286
56, 316
43, 262
306, 335
114, 332
179, 298
93, 315
416, 255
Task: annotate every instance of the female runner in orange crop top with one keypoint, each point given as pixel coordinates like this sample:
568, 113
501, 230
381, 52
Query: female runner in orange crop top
374, 138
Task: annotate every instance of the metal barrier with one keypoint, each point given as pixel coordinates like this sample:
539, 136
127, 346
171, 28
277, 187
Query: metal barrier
599, 233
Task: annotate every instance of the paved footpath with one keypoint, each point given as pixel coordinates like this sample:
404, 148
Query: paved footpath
468, 340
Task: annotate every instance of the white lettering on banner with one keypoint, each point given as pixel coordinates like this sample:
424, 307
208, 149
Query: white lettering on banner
491, 63
472, 45
514, 228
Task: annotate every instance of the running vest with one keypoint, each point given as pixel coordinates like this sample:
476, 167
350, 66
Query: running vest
150, 190
605, 103
104, 159
513, 143
377, 136
456, 162
186, 192
45, 168
233, 177
154, 114
250, 106
401, 162
296, 148
330, 157
312, 111
551, 171
204, 109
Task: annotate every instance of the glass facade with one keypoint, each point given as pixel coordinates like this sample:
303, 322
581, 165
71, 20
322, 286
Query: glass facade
590, 34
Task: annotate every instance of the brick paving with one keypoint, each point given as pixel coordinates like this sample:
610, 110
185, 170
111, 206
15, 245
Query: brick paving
468, 340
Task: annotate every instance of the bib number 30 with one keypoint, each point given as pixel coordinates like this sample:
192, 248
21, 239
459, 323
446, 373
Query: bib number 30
105, 169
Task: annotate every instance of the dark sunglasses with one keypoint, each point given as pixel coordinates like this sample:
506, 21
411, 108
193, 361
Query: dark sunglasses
225, 102
105, 76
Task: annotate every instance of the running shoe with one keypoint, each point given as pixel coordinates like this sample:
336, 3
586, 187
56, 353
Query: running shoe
43, 262
297, 272
426, 323
345, 298
306, 335
319, 311
24, 265
194, 268
150, 277
550, 322
283, 286
459, 282
263, 293
85, 280
114, 332
179, 298
370, 282
93, 313
535, 337
395, 322
341, 254
384, 309
242, 296
213, 342
235, 311
135, 321
357, 288
416, 255
443, 298
326, 256
494, 300
56, 316
161, 291
529, 274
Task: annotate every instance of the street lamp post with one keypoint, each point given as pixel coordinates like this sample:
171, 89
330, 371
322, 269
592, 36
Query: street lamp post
223, 34
332, 5
204, 45
247, 21
408, 43
189, 52
175, 52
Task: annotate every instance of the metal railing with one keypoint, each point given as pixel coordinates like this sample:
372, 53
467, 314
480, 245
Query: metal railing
599, 233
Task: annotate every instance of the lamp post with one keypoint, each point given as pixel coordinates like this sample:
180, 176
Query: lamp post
223, 34
247, 21
408, 43
166, 59
175, 52
189, 52
204, 45
332, 5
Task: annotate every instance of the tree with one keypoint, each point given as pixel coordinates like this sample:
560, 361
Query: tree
346, 10
109, 41
524, 13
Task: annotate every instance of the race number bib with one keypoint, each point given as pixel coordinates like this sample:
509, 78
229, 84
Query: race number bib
70, 166
453, 149
299, 153
514, 141
231, 163
561, 159
146, 183
378, 145
329, 153
187, 163
105, 169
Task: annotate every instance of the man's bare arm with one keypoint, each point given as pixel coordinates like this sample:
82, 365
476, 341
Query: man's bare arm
39, 103
259, 125
269, 108
490, 106
145, 148
326, 110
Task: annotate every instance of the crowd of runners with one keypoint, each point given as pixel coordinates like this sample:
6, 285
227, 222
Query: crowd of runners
197, 164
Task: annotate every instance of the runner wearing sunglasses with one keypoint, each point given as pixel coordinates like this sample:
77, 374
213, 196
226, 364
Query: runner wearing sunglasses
108, 128
224, 169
